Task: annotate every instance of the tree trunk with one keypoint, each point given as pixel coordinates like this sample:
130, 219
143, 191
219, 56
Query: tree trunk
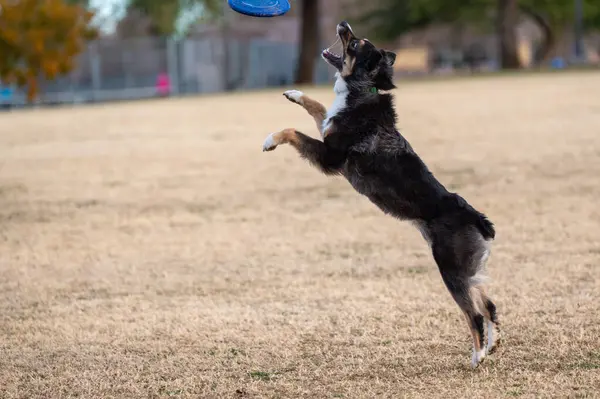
309, 36
508, 18
549, 40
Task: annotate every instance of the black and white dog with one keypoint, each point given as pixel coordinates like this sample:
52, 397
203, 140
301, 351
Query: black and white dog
361, 143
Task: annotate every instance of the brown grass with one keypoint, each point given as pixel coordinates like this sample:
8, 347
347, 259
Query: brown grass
152, 250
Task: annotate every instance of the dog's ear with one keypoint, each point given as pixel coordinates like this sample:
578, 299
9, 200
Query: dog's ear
384, 80
389, 57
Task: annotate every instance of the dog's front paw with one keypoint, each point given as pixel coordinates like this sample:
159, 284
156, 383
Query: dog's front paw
270, 143
294, 96
283, 137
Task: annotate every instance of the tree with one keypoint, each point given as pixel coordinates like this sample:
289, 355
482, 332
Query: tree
402, 16
397, 17
552, 16
39, 39
309, 40
591, 20
507, 20
392, 18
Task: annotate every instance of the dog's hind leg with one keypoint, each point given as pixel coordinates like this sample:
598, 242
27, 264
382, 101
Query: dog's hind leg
468, 299
461, 257
479, 259
313, 107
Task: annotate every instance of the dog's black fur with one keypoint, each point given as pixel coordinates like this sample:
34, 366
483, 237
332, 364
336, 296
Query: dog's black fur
362, 144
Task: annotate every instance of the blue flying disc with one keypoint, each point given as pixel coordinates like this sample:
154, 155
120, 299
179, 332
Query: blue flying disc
260, 8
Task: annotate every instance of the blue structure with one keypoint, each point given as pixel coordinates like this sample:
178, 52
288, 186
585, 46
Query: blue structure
260, 8
558, 63
6, 96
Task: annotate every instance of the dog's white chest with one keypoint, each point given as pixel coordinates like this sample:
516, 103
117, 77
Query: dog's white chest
339, 103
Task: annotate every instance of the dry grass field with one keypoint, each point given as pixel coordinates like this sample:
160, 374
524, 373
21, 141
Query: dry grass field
152, 250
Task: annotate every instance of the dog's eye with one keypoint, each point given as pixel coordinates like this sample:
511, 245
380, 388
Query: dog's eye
354, 45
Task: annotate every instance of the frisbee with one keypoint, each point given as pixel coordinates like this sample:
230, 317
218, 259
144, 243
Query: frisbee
260, 8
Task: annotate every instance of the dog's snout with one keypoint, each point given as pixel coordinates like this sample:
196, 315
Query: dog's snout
345, 24
344, 28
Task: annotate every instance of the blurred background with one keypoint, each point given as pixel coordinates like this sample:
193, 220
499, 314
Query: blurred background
81, 51
151, 249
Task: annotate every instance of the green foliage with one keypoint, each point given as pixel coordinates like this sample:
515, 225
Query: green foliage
559, 13
396, 17
591, 15
592, 21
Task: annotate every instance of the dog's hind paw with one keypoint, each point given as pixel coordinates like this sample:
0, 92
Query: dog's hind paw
294, 96
477, 358
494, 339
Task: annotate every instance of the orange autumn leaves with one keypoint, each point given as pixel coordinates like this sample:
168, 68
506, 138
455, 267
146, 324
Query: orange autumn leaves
39, 39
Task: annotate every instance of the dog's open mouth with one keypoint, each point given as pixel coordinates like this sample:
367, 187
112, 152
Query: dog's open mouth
332, 58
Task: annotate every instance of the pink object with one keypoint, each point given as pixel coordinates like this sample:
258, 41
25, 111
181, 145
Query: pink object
163, 84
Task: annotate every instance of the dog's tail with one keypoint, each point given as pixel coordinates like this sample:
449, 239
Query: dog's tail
484, 225
471, 216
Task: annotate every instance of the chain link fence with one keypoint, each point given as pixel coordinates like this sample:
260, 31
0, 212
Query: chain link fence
113, 69
118, 69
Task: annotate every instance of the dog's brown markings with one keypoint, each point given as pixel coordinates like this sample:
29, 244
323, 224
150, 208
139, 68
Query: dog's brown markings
286, 136
348, 66
477, 338
473, 308
314, 109
350, 61
290, 136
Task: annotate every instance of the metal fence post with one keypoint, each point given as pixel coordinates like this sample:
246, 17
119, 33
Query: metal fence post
127, 60
95, 69
173, 65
